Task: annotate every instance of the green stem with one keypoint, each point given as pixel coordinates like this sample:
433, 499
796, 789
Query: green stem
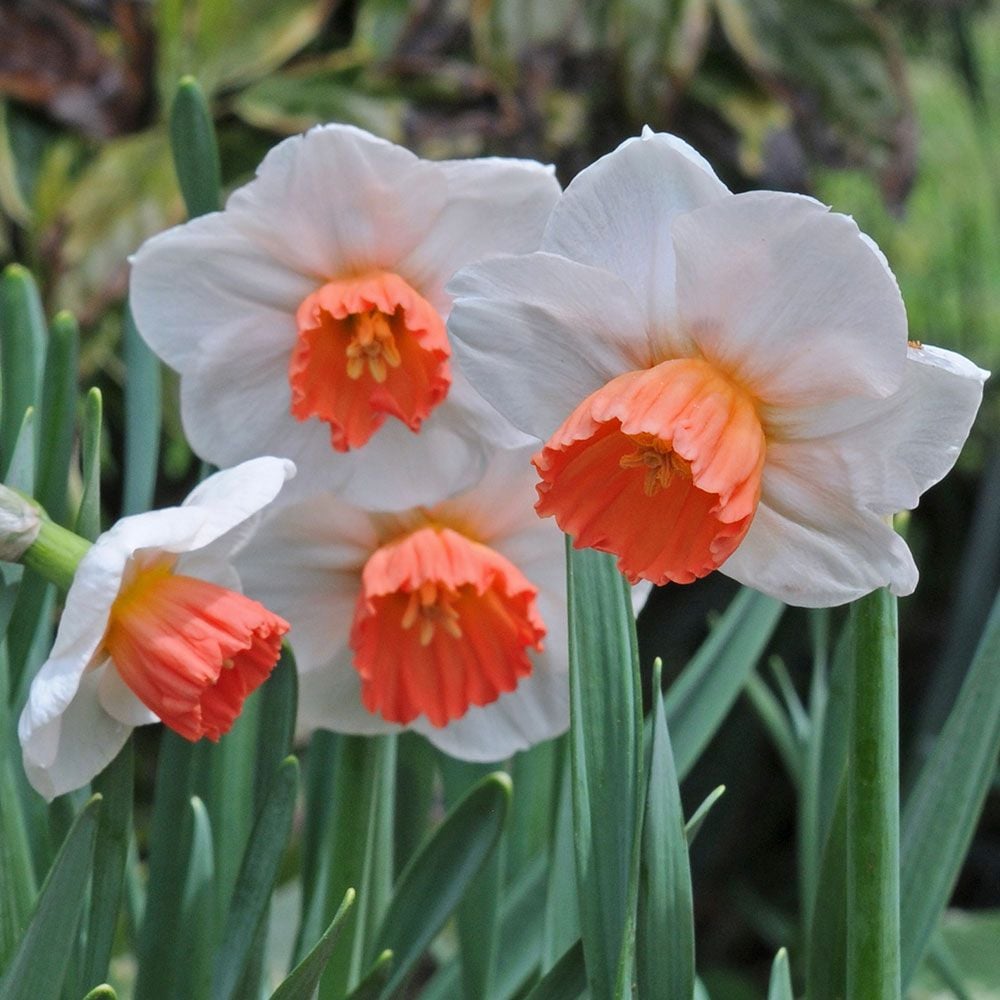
55, 554
873, 960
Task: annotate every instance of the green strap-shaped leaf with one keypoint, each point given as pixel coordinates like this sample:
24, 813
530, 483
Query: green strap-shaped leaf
304, 978
88, 517
357, 791
143, 409
276, 727
18, 888
257, 877
519, 943
432, 884
374, 982
827, 953
115, 784
941, 811
694, 824
39, 964
197, 930
196, 153
536, 774
478, 914
701, 697
22, 346
57, 425
607, 766
102, 992
169, 857
873, 803
780, 987
566, 979
665, 918
562, 904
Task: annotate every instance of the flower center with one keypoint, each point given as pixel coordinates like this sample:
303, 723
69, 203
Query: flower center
661, 467
368, 348
190, 651
659, 461
442, 623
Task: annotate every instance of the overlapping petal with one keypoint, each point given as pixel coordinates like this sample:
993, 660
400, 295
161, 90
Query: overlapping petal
307, 562
218, 299
537, 333
72, 676
787, 297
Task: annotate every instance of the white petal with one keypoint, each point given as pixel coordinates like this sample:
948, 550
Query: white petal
74, 746
207, 284
790, 298
616, 215
119, 700
811, 547
493, 206
330, 698
305, 564
338, 200
887, 452
536, 334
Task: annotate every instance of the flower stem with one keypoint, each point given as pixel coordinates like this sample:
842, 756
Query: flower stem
55, 554
873, 962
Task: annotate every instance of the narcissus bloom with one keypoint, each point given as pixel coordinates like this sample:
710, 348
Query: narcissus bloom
308, 318
721, 381
154, 629
450, 620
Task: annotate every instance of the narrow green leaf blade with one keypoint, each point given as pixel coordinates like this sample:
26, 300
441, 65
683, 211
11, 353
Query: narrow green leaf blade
58, 415
701, 697
39, 964
374, 982
694, 824
873, 929
22, 346
432, 884
88, 517
780, 987
665, 919
196, 154
303, 980
941, 811
114, 784
102, 992
143, 406
257, 877
566, 979
606, 748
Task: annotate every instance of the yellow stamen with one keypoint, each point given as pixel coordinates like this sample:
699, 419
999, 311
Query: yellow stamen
372, 345
659, 460
432, 607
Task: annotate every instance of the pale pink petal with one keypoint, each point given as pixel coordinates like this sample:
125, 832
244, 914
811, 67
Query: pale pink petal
536, 334
616, 215
811, 546
887, 452
493, 206
206, 284
338, 200
790, 299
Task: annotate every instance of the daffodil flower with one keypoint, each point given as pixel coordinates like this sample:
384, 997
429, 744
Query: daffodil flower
307, 319
154, 628
449, 620
721, 381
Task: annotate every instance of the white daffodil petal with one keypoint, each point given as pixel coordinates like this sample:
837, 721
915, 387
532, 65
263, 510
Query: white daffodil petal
339, 201
538, 333
811, 547
206, 285
119, 700
788, 298
79, 743
494, 206
617, 213
887, 452
330, 698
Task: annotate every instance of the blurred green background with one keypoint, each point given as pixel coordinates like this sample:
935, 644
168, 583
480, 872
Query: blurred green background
887, 111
